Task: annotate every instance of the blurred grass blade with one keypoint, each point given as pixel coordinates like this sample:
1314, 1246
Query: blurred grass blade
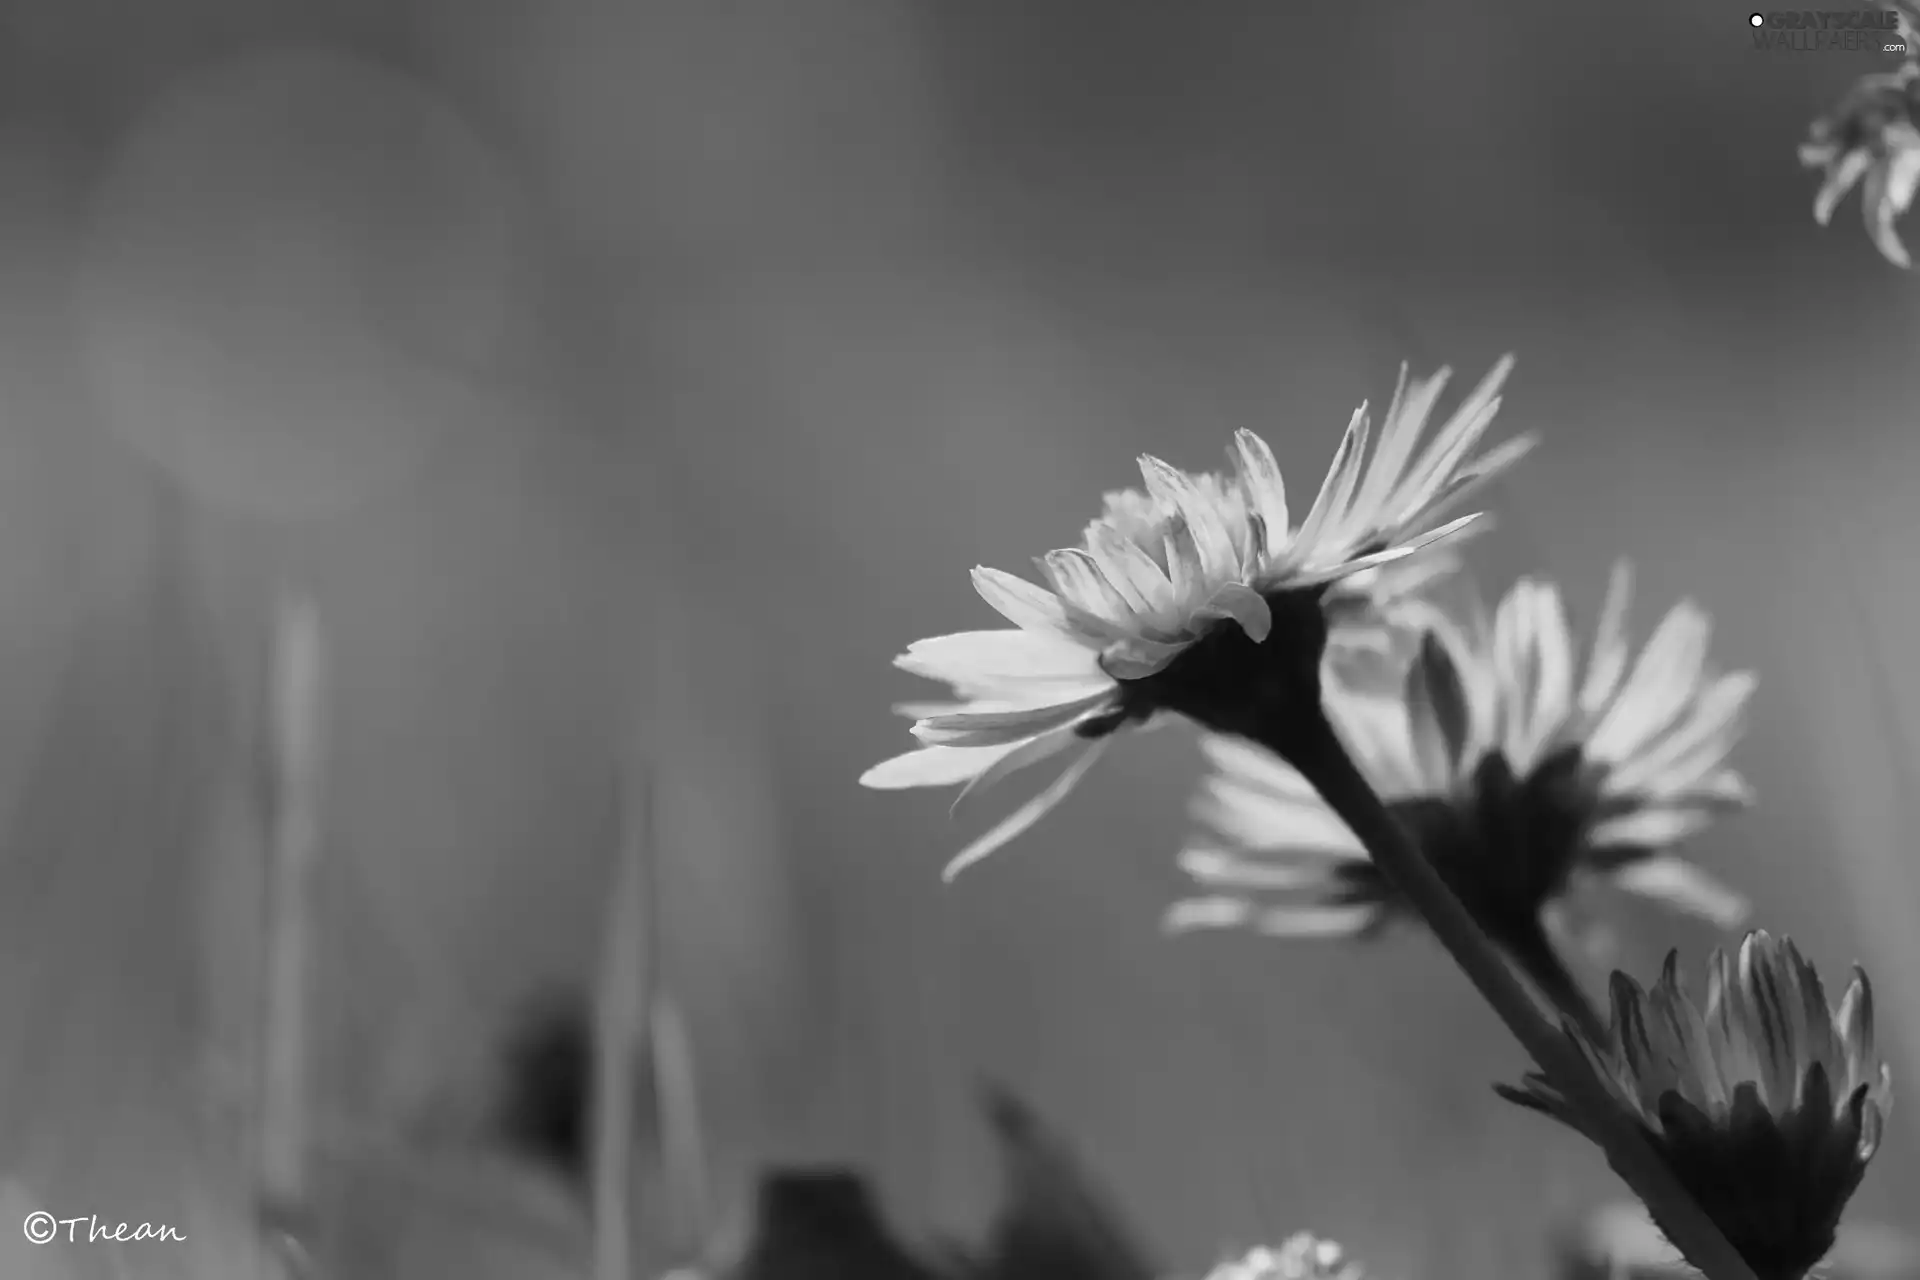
683, 1150
295, 744
823, 1224
622, 999
1053, 1224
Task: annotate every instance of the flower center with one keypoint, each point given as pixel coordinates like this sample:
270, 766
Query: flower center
1505, 845
1227, 682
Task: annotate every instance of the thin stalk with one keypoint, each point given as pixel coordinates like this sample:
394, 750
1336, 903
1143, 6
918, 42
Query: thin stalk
295, 739
683, 1148
1317, 752
623, 997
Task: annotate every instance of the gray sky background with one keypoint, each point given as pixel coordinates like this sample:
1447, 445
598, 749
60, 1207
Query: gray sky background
611, 371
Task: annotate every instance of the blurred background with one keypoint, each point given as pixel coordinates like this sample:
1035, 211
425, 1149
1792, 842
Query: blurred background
651, 373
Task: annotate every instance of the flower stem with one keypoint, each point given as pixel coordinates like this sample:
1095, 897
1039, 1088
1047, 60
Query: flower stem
1310, 744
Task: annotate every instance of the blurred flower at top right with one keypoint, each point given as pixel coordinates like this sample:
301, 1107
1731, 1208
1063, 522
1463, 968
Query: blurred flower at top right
1869, 140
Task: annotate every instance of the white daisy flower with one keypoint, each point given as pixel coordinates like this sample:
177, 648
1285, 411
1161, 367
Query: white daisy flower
1174, 584
1869, 140
1765, 1102
1517, 775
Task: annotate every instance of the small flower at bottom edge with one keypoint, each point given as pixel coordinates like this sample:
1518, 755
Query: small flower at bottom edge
1766, 1102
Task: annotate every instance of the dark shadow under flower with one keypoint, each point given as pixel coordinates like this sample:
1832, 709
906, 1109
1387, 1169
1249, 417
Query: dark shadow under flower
1516, 775
1767, 1104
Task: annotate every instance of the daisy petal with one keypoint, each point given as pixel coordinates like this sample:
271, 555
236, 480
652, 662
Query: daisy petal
1315, 922
1436, 710
1705, 734
1204, 520
1476, 475
1724, 791
1027, 753
1016, 823
1278, 922
933, 767
1645, 704
1185, 571
1136, 659
1888, 192
1842, 177
1077, 579
1256, 767
991, 657
1129, 570
1649, 828
1029, 607
1406, 417
1400, 551
1218, 868
1243, 605
1608, 662
1854, 1020
992, 728
1578, 932
1682, 885
1553, 670
1328, 519
1257, 821
1451, 447
1266, 489
1818, 155
1206, 913
927, 710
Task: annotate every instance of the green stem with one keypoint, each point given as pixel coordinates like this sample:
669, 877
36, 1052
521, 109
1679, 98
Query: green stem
1312, 747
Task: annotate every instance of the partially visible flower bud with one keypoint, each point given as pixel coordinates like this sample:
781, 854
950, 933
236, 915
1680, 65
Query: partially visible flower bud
1766, 1102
